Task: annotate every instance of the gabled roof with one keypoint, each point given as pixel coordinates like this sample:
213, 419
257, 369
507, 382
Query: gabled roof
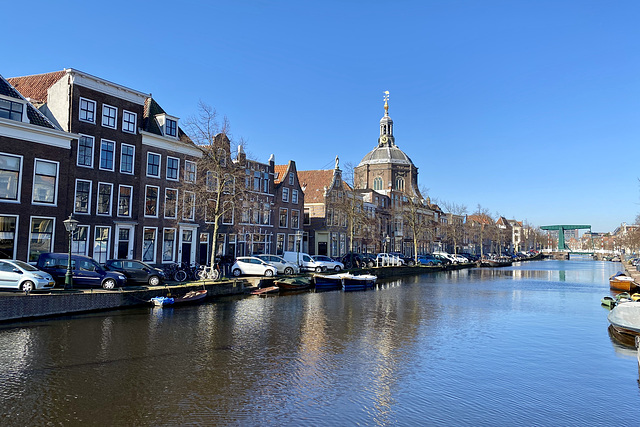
35, 116
280, 172
36, 86
313, 184
480, 219
150, 124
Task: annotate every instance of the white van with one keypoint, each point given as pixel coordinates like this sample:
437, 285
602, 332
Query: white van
304, 261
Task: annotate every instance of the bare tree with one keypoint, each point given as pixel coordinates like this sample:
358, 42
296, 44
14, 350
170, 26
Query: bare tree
455, 228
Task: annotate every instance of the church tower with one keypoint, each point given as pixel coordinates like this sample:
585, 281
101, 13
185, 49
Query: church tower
387, 169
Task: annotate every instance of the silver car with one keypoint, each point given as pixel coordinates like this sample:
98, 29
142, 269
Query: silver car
283, 266
20, 275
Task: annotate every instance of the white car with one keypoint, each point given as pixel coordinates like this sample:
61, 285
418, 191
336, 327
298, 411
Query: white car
385, 259
20, 275
328, 263
252, 266
283, 266
459, 258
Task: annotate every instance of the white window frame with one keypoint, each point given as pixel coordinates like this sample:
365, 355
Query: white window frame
294, 197
55, 191
186, 171
155, 244
173, 247
166, 127
146, 188
53, 233
96, 255
233, 213
19, 186
86, 247
75, 197
113, 155
189, 195
286, 225
285, 194
291, 222
177, 169
291, 178
109, 108
95, 107
150, 153
93, 150
133, 160
125, 123
177, 200
110, 185
120, 187
15, 233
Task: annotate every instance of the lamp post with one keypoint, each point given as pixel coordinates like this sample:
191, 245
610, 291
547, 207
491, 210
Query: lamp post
299, 245
386, 241
70, 225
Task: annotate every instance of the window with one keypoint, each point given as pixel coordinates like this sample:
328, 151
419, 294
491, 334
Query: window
291, 178
266, 214
106, 154
227, 214
170, 203
82, 197
10, 177
189, 205
295, 218
229, 184
307, 216
45, 182
222, 157
400, 184
129, 120
172, 168
125, 194
149, 244
85, 151
171, 127
40, 237
212, 182
11, 110
104, 198
153, 165
283, 217
280, 244
189, 171
127, 155
8, 237
109, 116
168, 244
79, 243
285, 194
101, 244
87, 110
377, 183
294, 196
256, 181
151, 201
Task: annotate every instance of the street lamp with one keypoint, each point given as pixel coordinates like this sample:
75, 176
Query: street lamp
386, 241
70, 225
299, 241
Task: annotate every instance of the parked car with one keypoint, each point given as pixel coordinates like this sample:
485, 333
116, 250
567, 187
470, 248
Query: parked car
408, 260
303, 260
328, 263
136, 271
443, 258
384, 259
459, 258
356, 260
429, 260
283, 266
252, 266
85, 271
470, 257
17, 274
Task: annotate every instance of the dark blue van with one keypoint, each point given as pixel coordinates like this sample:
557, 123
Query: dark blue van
86, 271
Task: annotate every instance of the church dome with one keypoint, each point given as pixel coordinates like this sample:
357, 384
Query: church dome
386, 154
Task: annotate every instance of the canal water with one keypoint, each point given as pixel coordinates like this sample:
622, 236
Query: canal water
523, 345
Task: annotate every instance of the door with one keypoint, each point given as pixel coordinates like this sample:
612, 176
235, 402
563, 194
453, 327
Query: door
203, 253
322, 248
8, 277
187, 245
124, 245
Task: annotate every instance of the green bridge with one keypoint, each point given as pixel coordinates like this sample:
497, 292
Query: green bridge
562, 246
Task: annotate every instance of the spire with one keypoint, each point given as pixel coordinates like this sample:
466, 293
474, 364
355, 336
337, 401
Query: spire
386, 125
386, 103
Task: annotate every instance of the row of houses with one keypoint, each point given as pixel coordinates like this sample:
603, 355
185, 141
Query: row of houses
141, 188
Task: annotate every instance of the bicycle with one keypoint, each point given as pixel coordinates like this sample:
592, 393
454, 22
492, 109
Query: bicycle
209, 272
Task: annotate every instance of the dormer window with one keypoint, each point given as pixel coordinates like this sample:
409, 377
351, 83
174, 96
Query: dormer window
11, 110
171, 128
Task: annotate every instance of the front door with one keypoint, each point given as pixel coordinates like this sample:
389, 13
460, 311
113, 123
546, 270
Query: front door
124, 245
187, 245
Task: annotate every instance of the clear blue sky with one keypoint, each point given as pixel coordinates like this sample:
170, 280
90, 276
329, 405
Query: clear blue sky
529, 108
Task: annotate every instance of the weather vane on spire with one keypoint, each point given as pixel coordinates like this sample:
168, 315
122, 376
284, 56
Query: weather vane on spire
386, 103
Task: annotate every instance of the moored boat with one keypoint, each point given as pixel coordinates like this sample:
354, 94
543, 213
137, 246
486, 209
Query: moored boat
326, 282
608, 302
293, 283
499, 262
264, 291
622, 282
189, 297
359, 282
625, 318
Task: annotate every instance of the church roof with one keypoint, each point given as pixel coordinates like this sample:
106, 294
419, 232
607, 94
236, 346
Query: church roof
386, 154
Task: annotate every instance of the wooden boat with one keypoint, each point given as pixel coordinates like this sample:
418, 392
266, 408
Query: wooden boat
623, 297
264, 291
608, 302
622, 282
189, 297
495, 262
625, 318
326, 282
360, 282
293, 283
635, 297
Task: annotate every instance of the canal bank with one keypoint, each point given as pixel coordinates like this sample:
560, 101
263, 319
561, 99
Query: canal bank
60, 302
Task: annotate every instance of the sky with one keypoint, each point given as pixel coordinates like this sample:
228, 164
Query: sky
529, 109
